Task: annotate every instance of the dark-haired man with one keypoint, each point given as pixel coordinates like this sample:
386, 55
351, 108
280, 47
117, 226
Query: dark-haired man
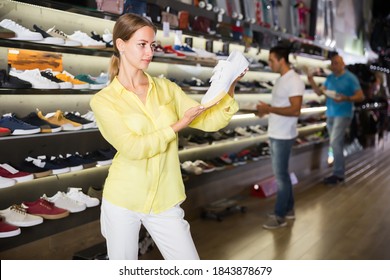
283, 113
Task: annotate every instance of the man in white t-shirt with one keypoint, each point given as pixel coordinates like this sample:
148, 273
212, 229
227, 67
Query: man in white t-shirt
283, 113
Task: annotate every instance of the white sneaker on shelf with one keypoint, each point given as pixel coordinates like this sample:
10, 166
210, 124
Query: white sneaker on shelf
61, 200
55, 32
35, 78
86, 41
18, 216
22, 33
190, 167
78, 195
224, 74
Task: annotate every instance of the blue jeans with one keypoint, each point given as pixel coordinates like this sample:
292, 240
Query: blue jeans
280, 155
337, 127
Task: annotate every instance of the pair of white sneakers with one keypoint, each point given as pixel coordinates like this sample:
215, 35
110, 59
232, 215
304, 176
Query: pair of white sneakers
224, 74
74, 200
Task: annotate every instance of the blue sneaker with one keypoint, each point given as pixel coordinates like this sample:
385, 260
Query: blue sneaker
17, 126
185, 49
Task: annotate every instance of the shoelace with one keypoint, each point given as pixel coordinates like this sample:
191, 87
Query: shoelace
18, 209
217, 71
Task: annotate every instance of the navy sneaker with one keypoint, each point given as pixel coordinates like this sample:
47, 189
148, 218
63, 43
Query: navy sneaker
18, 127
45, 126
28, 166
77, 159
11, 82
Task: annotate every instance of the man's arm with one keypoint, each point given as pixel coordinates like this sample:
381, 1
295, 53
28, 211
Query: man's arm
294, 110
358, 96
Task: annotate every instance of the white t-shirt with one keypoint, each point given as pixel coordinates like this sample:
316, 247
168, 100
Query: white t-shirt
283, 127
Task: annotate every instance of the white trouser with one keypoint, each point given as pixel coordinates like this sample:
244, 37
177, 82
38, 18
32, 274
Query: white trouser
169, 231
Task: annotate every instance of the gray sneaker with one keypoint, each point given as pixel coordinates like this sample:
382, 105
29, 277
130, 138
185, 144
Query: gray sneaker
289, 216
275, 222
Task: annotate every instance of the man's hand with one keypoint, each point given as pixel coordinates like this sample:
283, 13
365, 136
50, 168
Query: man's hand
262, 109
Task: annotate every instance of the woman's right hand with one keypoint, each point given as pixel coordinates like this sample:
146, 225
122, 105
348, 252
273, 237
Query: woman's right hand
188, 117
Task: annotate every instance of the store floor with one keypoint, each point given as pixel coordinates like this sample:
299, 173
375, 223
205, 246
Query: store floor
347, 221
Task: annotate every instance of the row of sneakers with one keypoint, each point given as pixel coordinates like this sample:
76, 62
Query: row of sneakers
253, 153
41, 166
32, 213
208, 138
53, 36
36, 122
49, 79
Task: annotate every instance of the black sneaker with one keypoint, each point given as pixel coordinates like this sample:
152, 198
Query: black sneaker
333, 180
7, 81
100, 159
77, 159
75, 117
45, 126
28, 166
49, 75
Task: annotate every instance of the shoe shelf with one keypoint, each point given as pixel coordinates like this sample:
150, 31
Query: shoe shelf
16, 148
67, 92
236, 144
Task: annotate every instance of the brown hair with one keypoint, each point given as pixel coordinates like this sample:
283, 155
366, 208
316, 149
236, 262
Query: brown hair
124, 28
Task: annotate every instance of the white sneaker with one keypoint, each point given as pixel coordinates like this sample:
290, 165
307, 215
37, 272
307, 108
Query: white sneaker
6, 182
224, 74
61, 200
60, 34
242, 131
21, 32
78, 195
190, 167
35, 78
18, 216
86, 41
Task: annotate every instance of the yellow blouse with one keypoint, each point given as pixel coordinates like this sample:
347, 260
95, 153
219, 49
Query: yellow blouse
145, 173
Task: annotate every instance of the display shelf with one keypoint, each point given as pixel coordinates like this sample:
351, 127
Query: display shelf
49, 227
80, 60
236, 144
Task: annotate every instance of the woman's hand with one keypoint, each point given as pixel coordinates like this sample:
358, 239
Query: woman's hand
188, 117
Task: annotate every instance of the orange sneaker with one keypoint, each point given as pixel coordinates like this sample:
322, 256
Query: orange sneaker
67, 77
58, 118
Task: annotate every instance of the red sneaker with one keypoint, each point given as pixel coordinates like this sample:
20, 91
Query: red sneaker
169, 50
7, 230
9, 172
4, 131
45, 209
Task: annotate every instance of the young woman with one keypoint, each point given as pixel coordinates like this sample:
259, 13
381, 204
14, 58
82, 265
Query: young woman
140, 117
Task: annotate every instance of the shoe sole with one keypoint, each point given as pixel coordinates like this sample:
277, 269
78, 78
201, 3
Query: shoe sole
288, 217
275, 227
10, 233
53, 217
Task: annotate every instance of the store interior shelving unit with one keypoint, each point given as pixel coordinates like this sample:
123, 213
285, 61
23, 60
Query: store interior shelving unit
201, 189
